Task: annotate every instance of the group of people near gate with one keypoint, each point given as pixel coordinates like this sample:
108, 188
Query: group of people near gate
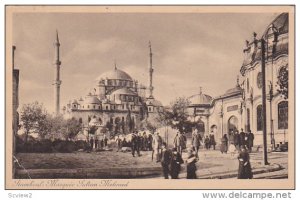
98, 143
137, 142
171, 159
235, 140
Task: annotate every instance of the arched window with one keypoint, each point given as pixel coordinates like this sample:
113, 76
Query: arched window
259, 117
283, 115
232, 123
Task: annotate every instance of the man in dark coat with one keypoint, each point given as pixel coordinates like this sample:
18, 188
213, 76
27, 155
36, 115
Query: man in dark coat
212, 141
237, 140
166, 156
176, 161
191, 165
92, 142
242, 137
196, 141
250, 140
133, 144
96, 142
244, 171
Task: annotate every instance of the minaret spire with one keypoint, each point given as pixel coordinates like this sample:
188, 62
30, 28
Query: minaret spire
200, 90
116, 65
150, 73
57, 81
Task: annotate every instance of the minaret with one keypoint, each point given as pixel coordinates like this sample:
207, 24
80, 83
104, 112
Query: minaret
57, 81
150, 73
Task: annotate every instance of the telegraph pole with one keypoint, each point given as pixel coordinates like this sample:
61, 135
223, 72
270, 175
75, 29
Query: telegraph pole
264, 100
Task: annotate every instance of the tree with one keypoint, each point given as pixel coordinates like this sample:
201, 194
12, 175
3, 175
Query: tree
177, 116
45, 126
283, 81
72, 128
33, 116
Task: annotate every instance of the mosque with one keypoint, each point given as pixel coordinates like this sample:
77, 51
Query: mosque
241, 106
118, 103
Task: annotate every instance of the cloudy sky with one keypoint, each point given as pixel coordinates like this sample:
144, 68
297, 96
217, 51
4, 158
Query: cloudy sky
190, 50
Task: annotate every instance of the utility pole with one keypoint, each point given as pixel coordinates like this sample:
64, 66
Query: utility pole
264, 100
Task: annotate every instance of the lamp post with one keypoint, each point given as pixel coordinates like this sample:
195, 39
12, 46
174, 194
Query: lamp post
270, 98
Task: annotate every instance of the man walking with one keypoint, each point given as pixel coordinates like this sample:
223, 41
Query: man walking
156, 146
166, 156
196, 141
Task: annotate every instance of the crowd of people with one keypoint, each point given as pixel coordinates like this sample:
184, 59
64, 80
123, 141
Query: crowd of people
235, 140
171, 159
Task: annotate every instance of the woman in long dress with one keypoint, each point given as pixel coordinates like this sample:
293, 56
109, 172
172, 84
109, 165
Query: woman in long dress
245, 171
224, 144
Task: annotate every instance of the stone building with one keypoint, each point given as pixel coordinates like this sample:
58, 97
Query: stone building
118, 103
241, 106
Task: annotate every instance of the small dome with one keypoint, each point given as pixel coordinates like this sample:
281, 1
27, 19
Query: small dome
200, 99
123, 91
94, 122
92, 100
115, 74
237, 89
153, 102
74, 101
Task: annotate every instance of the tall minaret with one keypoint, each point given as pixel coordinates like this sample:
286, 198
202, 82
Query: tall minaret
57, 81
150, 73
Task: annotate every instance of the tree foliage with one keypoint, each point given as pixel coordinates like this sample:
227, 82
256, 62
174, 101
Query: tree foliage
177, 116
33, 116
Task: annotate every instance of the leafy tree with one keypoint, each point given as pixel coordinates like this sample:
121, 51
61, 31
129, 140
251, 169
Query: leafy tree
72, 128
177, 116
33, 116
283, 81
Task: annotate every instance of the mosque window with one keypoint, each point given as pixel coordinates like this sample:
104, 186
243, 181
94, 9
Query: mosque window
94, 107
74, 106
283, 115
88, 106
259, 80
106, 107
259, 118
98, 107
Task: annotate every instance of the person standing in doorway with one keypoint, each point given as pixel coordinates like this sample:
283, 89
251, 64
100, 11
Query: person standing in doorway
212, 141
250, 140
242, 137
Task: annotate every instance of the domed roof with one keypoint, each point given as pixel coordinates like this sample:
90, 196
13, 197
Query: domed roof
115, 74
92, 100
153, 102
281, 23
201, 98
236, 89
124, 91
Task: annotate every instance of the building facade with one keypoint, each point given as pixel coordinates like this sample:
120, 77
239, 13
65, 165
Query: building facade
118, 104
241, 106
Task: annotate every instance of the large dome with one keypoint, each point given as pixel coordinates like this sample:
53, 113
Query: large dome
115, 74
236, 90
125, 91
200, 99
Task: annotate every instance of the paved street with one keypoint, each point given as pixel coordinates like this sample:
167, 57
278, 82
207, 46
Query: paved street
211, 162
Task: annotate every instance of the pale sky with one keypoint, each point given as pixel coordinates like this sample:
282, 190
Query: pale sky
190, 50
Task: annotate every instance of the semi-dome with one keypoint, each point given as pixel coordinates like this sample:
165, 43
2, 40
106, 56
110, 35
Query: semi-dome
115, 74
200, 99
92, 100
125, 91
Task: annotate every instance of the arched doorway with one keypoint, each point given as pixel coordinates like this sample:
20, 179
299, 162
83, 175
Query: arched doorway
200, 126
232, 124
214, 129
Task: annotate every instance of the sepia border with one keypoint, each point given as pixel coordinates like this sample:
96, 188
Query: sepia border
121, 184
